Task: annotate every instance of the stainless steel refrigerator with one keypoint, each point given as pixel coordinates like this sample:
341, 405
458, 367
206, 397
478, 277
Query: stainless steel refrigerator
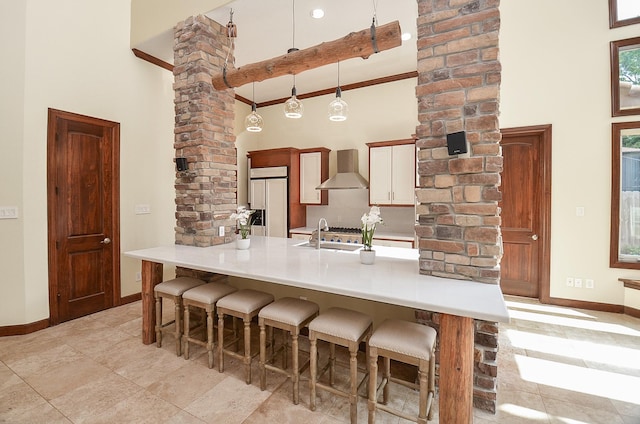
268, 196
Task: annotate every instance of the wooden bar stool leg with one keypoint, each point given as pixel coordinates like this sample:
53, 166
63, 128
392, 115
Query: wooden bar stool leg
285, 348
158, 321
332, 364
422, 412
296, 371
178, 315
220, 342
373, 386
210, 340
263, 357
247, 350
353, 395
387, 377
313, 370
186, 333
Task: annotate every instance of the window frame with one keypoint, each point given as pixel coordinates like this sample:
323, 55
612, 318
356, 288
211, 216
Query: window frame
614, 22
615, 48
616, 186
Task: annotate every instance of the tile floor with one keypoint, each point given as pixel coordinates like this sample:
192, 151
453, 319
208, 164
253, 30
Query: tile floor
556, 365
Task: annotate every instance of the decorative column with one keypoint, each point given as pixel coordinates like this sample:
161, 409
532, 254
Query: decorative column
204, 134
457, 196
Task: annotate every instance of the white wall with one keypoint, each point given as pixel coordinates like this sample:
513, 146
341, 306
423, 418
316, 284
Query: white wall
77, 58
555, 61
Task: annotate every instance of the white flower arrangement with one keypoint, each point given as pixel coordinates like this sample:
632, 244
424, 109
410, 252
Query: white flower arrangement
243, 216
369, 222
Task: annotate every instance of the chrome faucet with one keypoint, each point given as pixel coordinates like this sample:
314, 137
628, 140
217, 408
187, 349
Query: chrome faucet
320, 228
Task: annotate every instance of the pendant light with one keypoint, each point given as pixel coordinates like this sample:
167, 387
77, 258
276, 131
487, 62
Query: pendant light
338, 108
253, 122
293, 107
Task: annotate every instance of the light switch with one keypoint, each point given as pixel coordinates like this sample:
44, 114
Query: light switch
143, 209
8, 212
580, 211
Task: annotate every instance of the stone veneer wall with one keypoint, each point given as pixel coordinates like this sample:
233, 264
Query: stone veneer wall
204, 134
457, 196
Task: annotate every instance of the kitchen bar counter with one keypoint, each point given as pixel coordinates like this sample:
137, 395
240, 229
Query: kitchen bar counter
394, 279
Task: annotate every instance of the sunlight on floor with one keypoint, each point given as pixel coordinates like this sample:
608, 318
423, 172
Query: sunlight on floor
617, 356
579, 379
549, 309
573, 323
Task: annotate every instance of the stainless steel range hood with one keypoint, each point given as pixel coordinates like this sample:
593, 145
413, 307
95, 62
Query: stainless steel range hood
347, 176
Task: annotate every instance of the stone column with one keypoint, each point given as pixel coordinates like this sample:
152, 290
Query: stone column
204, 134
457, 196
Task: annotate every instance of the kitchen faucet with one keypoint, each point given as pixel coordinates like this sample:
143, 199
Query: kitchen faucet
325, 228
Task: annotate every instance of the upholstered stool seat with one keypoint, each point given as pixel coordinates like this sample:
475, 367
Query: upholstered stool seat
346, 328
172, 289
288, 314
204, 297
244, 304
406, 342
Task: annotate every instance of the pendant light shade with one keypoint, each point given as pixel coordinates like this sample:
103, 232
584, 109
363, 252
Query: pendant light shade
253, 122
338, 108
293, 108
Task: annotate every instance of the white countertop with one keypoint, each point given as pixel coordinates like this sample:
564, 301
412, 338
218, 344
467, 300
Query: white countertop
393, 279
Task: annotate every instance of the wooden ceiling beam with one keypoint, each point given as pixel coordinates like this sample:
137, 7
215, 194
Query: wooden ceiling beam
356, 44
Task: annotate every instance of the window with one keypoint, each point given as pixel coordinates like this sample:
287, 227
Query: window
623, 12
625, 77
625, 198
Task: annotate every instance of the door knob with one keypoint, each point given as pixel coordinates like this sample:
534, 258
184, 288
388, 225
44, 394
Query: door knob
106, 240
534, 237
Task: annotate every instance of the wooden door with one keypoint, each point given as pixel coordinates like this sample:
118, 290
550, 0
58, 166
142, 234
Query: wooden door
526, 211
83, 215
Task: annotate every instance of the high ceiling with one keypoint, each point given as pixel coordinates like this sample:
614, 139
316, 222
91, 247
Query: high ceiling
266, 30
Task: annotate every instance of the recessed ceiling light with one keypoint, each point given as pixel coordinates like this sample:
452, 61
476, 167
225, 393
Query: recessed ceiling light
406, 36
317, 13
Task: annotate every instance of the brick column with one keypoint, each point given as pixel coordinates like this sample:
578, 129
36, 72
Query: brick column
204, 134
459, 219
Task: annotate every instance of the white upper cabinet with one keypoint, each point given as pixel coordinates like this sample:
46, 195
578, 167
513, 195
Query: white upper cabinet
314, 169
392, 173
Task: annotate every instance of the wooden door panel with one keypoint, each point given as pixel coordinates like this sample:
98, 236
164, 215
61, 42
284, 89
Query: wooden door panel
525, 211
83, 215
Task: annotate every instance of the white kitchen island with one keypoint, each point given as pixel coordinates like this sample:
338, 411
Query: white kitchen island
393, 279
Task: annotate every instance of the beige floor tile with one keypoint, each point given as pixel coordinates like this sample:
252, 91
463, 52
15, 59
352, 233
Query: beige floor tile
63, 378
142, 407
231, 401
561, 412
96, 397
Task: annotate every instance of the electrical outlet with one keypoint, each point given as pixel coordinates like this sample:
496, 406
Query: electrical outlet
589, 283
138, 276
577, 283
221, 231
143, 209
569, 281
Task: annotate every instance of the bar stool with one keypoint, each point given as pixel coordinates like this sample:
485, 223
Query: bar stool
204, 297
172, 289
407, 342
346, 328
288, 314
244, 304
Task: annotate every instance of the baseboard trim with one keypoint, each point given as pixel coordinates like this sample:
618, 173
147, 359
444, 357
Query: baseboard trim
22, 329
633, 312
583, 304
131, 298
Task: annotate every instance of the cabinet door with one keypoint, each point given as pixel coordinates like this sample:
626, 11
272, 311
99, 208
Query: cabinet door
276, 206
403, 175
380, 175
310, 170
257, 192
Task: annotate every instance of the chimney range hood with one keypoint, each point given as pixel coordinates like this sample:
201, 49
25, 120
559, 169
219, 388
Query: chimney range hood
347, 176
